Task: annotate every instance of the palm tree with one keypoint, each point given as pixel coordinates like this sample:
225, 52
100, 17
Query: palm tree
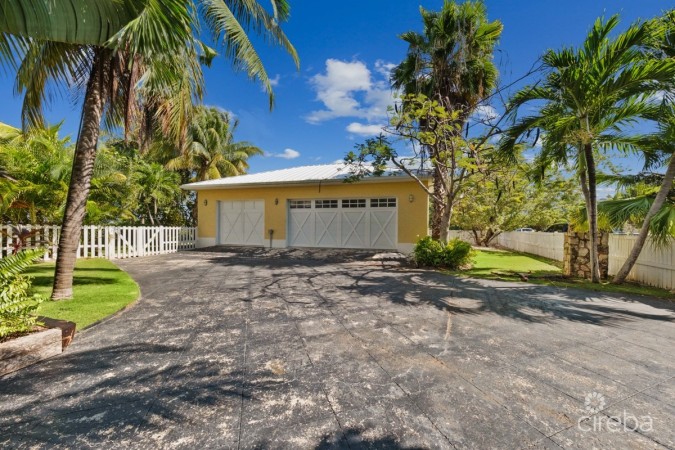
657, 210
655, 207
156, 187
591, 98
211, 151
155, 52
451, 63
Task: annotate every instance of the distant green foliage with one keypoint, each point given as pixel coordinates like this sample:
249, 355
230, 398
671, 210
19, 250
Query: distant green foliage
17, 307
432, 253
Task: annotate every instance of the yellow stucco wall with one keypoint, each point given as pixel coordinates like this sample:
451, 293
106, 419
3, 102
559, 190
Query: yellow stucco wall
413, 217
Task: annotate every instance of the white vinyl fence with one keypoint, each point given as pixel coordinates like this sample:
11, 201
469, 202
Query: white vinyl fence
654, 267
548, 245
103, 241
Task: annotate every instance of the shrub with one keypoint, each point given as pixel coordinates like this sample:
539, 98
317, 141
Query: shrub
17, 307
432, 253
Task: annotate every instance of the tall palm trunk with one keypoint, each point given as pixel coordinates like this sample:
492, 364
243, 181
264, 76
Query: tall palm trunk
592, 210
80, 179
660, 199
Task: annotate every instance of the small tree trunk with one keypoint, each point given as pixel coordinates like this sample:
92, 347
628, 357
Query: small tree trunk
444, 224
80, 179
437, 206
660, 199
592, 210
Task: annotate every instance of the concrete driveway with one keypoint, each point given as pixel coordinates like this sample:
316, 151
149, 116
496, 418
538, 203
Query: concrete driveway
315, 350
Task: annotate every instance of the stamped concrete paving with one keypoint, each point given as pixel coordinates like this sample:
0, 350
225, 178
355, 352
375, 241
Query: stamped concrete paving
247, 349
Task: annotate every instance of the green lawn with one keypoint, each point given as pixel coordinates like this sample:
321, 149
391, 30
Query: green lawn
100, 288
505, 265
493, 264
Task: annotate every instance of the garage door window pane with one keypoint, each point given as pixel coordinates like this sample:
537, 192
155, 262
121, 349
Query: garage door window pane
300, 204
325, 204
383, 203
354, 203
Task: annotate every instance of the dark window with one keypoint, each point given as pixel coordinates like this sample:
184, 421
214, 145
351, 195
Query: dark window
354, 203
324, 204
300, 204
383, 203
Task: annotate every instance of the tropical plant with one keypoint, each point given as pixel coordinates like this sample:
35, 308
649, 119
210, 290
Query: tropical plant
648, 201
592, 96
211, 151
430, 252
17, 307
641, 199
450, 62
157, 189
154, 56
39, 162
655, 208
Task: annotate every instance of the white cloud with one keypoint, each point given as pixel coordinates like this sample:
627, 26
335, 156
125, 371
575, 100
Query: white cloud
349, 89
288, 153
274, 82
486, 113
384, 68
364, 129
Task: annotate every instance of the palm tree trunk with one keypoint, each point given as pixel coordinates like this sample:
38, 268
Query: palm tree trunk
660, 199
80, 179
592, 210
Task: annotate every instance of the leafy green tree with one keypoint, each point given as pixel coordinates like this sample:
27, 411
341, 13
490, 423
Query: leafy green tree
450, 62
160, 41
590, 99
503, 198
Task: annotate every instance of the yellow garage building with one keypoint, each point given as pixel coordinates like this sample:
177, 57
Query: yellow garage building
312, 206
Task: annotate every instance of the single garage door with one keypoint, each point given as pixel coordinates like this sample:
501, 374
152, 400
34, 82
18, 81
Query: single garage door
241, 222
343, 223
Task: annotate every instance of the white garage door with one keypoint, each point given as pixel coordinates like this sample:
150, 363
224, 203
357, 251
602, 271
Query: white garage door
241, 222
343, 223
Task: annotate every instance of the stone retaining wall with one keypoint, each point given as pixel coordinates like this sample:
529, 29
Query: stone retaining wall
577, 255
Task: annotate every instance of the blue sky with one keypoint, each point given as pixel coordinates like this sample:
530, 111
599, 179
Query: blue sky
339, 95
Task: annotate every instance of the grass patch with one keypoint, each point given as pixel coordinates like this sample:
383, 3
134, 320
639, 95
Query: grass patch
488, 262
505, 266
100, 289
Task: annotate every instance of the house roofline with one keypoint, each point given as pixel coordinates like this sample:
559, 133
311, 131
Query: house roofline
371, 179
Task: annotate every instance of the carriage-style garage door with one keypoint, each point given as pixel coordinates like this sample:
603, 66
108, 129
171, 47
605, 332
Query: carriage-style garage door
242, 222
343, 223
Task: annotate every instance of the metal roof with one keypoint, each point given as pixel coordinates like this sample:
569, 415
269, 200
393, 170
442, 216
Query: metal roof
295, 175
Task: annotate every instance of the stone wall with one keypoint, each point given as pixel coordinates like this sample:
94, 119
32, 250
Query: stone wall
577, 255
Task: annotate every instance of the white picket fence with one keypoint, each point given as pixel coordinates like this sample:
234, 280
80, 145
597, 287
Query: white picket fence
104, 241
654, 267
